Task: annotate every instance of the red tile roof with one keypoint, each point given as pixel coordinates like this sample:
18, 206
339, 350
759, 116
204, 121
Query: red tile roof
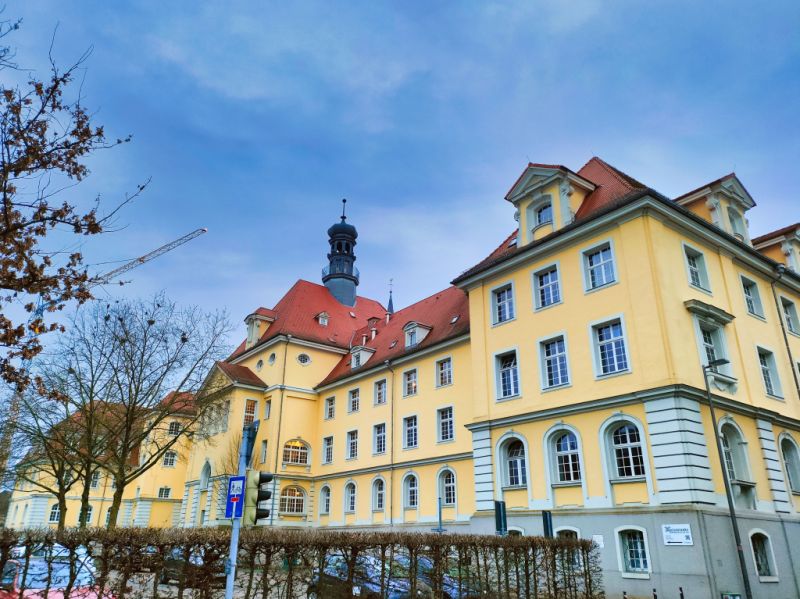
612, 185
180, 401
296, 311
436, 312
778, 233
241, 374
265, 312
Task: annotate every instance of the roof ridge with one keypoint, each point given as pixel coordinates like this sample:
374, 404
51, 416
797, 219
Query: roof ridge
424, 299
618, 174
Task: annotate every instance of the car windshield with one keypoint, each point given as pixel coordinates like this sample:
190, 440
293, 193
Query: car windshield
38, 574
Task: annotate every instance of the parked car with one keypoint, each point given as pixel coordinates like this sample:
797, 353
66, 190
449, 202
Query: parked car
191, 571
47, 580
332, 581
425, 571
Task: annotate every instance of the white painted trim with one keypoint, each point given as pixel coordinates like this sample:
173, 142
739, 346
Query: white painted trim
496, 370
773, 367
607, 456
403, 444
501, 465
375, 451
535, 285
574, 529
345, 510
784, 436
542, 370
404, 496
347, 444
438, 423
760, 314
403, 373
436, 363
439, 484
595, 349
729, 420
773, 564
385, 392
330, 499
349, 396
493, 305
704, 272
551, 466
372, 482
620, 563
587, 288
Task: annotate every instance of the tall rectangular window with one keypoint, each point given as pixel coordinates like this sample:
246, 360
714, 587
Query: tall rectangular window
379, 438
263, 452
598, 265
610, 349
507, 375
444, 417
267, 409
410, 432
410, 382
554, 362
352, 445
380, 392
444, 372
752, 298
634, 551
327, 450
769, 372
95, 479
503, 300
250, 411
547, 288
354, 401
790, 316
330, 408
696, 267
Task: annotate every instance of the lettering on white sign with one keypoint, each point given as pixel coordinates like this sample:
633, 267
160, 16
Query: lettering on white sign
677, 534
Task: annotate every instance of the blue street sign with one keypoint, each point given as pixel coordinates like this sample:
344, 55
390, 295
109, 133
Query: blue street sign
234, 504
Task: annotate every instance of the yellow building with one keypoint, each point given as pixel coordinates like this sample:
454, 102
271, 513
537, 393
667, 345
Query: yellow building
564, 373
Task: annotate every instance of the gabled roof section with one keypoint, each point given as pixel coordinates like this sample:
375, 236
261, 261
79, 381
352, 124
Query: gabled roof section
437, 311
536, 174
180, 401
611, 184
296, 312
777, 235
241, 375
730, 183
264, 313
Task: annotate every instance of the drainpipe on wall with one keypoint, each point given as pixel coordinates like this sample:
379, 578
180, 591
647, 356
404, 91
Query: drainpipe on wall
390, 389
278, 433
793, 365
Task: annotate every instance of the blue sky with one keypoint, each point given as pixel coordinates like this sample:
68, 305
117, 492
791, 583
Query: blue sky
255, 118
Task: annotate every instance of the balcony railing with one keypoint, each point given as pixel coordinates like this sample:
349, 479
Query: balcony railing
339, 270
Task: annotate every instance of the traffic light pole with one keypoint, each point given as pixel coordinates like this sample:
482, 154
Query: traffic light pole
237, 524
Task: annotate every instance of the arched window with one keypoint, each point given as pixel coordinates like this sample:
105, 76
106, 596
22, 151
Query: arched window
325, 500
411, 492
628, 456
568, 462
634, 554
378, 495
88, 518
791, 461
295, 452
737, 224
350, 498
108, 516
544, 214
734, 453
515, 471
174, 428
293, 501
447, 487
205, 476
763, 556
55, 513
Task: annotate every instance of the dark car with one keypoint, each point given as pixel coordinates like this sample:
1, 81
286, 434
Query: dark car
48, 580
425, 571
193, 571
332, 581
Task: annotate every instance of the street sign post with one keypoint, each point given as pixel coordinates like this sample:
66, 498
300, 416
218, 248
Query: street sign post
234, 504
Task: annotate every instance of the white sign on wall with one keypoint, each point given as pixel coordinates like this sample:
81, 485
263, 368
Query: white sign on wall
677, 534
598, 540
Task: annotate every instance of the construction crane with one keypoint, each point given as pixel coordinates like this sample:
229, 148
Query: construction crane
42, 306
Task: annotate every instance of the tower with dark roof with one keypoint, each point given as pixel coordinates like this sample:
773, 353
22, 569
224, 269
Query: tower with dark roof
341, 276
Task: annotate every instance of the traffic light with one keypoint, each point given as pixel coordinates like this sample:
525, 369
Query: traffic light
256, 492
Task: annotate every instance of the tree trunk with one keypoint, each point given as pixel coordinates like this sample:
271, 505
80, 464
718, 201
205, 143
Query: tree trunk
87, 481
62, 511
115, 503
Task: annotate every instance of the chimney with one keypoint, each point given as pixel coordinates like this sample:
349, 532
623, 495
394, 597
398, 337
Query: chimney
374, 332
388, 315
363, 339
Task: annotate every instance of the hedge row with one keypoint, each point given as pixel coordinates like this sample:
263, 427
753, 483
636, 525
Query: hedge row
298, 563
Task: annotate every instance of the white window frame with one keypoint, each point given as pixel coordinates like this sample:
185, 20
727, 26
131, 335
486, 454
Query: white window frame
375, 388
554, 453
95, 480
175, 430
540, 343
437, 371
792, 478
537, 222
439, 421
174, 460
493, 303
264, 451
411, 336
325, 501
267, 409
375, 439
443, 489
247, 403
772, 370
622, 561
406, 374
537, 303
773, 577
702, 269
595, 345
791, 319
611, 448
406, 420
301, 448
758, 306
350, 497
350, 455
503, 478
497, 359
351, 395
54, 515
166, 495
375, 507
406, 491
327, 443
302, 497
584, 256
330, 408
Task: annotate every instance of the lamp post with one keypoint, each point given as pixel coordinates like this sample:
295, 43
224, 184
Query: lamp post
713, 364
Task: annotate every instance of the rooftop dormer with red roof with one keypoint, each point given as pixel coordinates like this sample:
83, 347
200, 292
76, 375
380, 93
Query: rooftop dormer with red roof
782, 245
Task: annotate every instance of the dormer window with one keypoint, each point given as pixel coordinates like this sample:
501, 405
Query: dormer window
415, 333
359, 356
737, 223
322, 318
356, 360
544, 215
